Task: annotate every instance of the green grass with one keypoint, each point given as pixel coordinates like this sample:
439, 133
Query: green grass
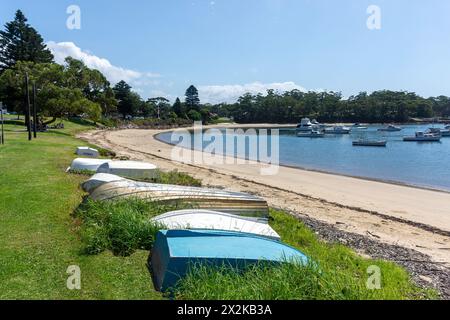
175, 177
340, 274
38, 237
122, 226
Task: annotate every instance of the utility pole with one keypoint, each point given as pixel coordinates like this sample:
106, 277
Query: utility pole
34, 111
28, 111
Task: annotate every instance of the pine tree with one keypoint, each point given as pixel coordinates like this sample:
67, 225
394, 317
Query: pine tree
192, 99
21, 42
178, 108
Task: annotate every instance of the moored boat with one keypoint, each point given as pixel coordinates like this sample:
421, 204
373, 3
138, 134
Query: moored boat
423, 137
129, 169
214, 220
338, 130
370, 143
88, 164
437, 131
237, 203
176, 251
305, 125
391, 128
311, 134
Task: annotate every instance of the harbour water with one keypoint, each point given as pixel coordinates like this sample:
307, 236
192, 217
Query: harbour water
422, 164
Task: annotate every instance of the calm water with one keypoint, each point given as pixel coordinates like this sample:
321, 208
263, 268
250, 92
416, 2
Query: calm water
416, 163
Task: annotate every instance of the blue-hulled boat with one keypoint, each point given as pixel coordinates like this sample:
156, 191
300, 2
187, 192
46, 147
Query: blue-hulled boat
174, 251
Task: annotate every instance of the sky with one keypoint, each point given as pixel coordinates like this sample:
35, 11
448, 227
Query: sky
228, 47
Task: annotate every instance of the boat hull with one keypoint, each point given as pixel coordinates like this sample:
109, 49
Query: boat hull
369, 143
129, 169
176, 251
99, 179
237, 203
87, 164
414, 139
213, 220
87, 152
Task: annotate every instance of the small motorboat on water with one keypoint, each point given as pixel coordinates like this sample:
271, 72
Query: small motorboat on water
176, 251
311, 134
129, 169
390, 128
305, 125
87, 152
442, 132
236, 203
423, 137
80, 164
213, 220
338, 130
359, 126
369, 143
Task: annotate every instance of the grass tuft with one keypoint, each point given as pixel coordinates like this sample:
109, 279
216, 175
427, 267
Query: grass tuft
122, 226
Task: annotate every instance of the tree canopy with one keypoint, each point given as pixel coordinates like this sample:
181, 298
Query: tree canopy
21, 42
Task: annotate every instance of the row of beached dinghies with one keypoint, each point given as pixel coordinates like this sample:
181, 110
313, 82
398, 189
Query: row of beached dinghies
226, 228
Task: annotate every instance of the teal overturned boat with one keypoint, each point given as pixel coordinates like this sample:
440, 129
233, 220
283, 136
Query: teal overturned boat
174, 251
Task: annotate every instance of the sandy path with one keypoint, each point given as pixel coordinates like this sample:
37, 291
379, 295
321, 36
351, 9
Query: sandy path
413, 218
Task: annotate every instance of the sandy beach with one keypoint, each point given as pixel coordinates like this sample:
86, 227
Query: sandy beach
413, 218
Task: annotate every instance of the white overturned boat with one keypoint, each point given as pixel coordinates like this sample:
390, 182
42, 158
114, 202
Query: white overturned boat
87, 164
98, 179
214, 220
129, 169
241, 204
87, 152
390, 128
423, 137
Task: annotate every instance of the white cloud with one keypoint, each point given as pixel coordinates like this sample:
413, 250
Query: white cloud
113, 73
230, 93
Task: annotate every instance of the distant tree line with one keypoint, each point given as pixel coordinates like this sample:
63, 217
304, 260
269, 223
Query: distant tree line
73, 89
377, 107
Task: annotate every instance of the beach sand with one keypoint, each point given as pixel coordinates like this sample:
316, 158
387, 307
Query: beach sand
392, 214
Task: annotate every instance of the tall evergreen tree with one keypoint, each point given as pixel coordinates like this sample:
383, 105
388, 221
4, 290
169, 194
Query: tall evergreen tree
122, 91
178, 108
192, 99
21, 42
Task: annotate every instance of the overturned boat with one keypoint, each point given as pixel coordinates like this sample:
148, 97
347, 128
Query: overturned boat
87, 152
129, 169
241, 204
176, 251
98, 179
214, 220
88, 164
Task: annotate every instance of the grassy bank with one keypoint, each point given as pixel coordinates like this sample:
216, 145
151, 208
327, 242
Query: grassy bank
45, 226
37, 237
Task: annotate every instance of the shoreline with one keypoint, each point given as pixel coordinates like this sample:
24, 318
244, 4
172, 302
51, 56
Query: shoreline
408, 224
386, 181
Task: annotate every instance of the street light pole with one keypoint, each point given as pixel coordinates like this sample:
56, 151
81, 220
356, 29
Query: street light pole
2, 136
28, 111
34, 111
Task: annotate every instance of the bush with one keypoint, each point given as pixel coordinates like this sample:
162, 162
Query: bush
175, 177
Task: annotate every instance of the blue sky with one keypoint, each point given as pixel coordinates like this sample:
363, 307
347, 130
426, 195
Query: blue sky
226, 47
